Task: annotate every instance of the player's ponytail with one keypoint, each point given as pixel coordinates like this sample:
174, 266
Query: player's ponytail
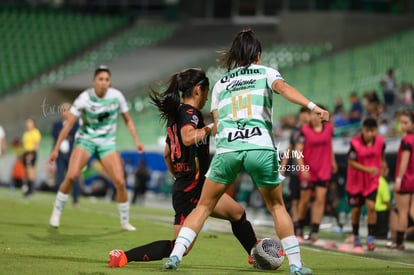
244, 50
169, 101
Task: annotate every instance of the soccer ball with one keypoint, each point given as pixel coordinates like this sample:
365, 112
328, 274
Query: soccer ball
267, 254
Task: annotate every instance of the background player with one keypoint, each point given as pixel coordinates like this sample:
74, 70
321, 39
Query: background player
99, 108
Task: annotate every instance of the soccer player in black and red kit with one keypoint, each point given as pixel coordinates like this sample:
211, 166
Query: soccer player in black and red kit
187, 158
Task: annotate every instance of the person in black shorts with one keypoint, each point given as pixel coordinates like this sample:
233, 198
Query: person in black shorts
187, 158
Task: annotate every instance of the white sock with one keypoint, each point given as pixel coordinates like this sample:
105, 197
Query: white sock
183, 241
60, 201
292, 250
123, 208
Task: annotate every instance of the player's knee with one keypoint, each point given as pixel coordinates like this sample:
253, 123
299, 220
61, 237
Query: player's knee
119, 183
71, 177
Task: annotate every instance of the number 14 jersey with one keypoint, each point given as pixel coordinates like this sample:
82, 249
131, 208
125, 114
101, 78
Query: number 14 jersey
243, 98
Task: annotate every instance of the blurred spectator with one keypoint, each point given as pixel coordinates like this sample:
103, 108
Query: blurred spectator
406, 93
383, 205
372, 104
142, 175
389, 86
3, 143
383, 128
365, 161
31, 141
404, 175
338, 105
287, 123
339, 117
317, 164
356, 110
62, 161
18, 172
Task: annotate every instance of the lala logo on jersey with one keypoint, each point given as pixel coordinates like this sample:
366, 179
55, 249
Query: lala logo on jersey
243, 133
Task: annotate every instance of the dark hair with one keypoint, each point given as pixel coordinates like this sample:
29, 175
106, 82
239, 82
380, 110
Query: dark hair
169, 101
244, 50
409, 114
304, 109
369, 122
101, 68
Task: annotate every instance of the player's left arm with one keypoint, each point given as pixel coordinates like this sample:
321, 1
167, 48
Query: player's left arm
131, 129
191, 135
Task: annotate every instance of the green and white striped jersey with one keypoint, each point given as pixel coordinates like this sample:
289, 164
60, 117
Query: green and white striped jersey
243, 99
99, 115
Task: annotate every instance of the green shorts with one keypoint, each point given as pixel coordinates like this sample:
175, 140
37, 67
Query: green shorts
94, 149
261, 165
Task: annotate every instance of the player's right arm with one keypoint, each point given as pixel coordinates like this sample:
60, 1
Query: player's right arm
293, 95
62, 135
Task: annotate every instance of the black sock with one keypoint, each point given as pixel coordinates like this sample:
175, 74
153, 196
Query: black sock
301, 225
372, 228
315, 228
150, 252
355, 228
400, 237
29, 187
296, 227
244, 232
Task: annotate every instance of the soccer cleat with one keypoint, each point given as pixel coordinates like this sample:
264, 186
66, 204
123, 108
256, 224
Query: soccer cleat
171, 264
54, 221
117, 258
294, 270
371, 246
392, 245
128, 227
313, 238
250, 260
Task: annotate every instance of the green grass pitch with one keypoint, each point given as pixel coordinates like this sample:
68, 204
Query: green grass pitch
81, 245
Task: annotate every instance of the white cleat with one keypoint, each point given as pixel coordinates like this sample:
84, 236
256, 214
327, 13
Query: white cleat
54, 221
128, 227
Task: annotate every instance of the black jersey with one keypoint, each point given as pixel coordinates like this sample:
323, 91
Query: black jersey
190, 162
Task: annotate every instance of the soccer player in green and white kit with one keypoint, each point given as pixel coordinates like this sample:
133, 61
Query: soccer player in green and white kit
242, 112
98, 108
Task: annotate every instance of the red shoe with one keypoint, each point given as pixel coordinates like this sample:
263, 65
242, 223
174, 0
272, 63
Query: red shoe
313, 238
250, 260
371, 246
117, 258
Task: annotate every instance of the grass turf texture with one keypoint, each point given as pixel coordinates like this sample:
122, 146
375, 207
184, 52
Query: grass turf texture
81, 245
